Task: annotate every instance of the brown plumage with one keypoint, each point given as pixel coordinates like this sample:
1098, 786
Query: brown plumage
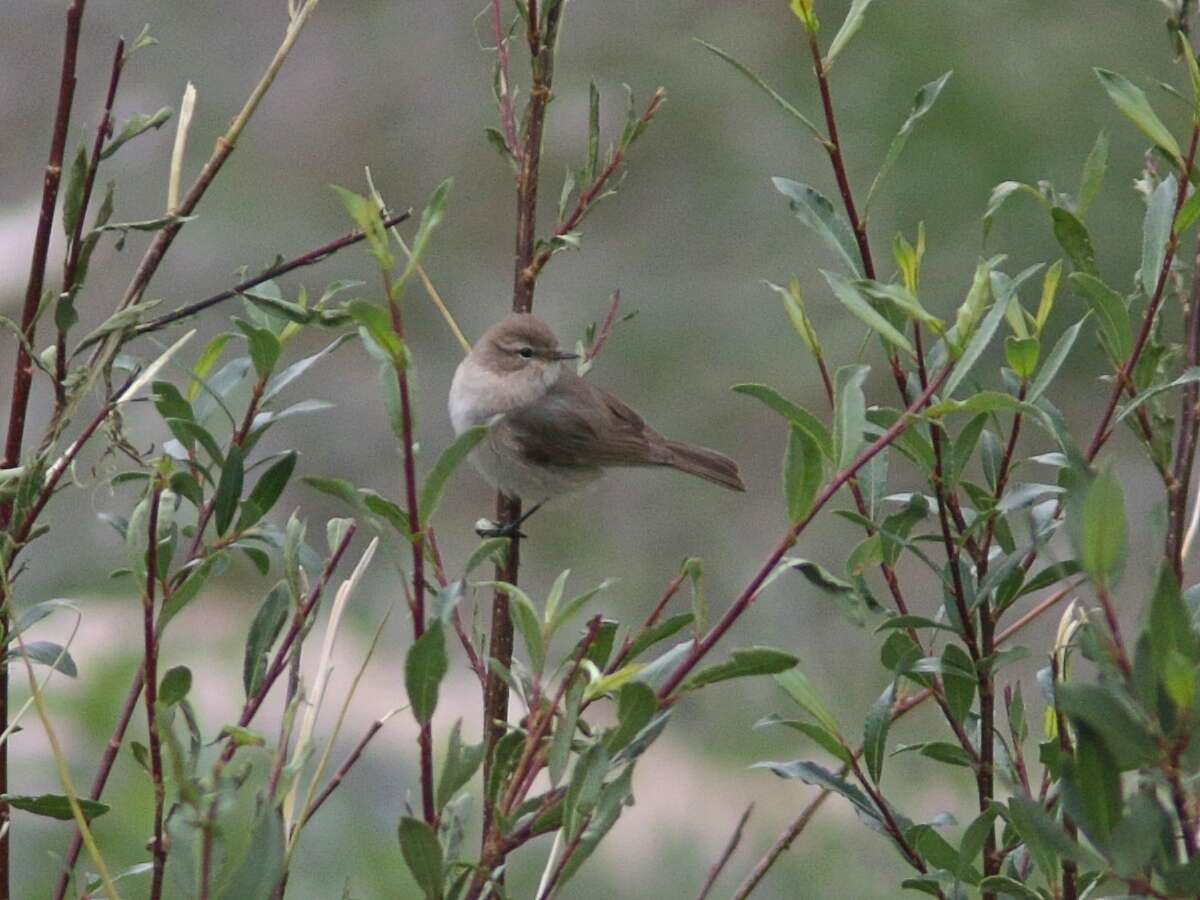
557, 431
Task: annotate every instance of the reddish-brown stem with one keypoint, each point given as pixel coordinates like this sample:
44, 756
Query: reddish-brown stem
1124, 375
425, 735
508, 119
1179, 799
1189, 426
158, 847
340, 775
75, 243
589, 194
797, 826
1120, 656
305, 259
606, 327
730, 846
23, 370
889, 821
703, 645
651, 620
508, 509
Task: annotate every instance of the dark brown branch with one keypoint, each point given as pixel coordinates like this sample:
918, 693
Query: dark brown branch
312, 257
1124, 375
702, 646
425, 735
75, 242
158, 846
23, 370
734, 839
1189, 427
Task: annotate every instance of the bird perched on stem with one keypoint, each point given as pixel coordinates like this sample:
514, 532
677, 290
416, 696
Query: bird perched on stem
555, 432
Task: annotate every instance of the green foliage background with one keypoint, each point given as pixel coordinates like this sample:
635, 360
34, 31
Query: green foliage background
405, 88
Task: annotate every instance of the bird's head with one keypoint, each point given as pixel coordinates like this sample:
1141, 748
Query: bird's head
521, 343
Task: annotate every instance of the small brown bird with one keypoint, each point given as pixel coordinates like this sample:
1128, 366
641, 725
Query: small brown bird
556, 432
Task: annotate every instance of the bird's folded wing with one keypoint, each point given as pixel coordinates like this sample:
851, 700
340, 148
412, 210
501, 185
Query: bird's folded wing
577, 424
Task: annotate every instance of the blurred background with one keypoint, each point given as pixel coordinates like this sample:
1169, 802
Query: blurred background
406, 88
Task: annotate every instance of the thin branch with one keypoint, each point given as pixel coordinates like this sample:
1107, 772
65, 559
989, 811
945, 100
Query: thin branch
312, 257
1189, 427
702, 646
75, 244
504, 96
158, 844
734, 839
425, 736
23, 370
344, 769
606, 328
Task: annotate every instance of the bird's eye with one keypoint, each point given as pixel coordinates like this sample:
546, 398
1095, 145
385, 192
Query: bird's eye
526, 352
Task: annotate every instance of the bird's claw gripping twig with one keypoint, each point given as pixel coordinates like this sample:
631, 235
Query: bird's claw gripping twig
486, 528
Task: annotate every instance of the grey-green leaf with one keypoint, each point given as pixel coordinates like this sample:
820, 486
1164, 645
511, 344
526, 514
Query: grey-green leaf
814, 210
424, 668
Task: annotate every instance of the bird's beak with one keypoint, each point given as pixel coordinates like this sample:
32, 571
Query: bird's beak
562, 354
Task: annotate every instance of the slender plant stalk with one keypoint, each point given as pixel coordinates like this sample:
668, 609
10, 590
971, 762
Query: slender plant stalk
703, 645
508, 509
23, 370
731, 845
312, 257
1189, 425
425, 736
158, 848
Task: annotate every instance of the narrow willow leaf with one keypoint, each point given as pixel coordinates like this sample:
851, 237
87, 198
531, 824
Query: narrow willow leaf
801, 418
298, 368
1188, 377
1093, 173
1156, 231
766, 88
803, 473
922, 103
435, 483
1072, 235
850, 26
229, 489
462, 762
137, 124
176, 682
1098, 527
1112, 315
423, 855
848, 295
979, 341
875, 732
1054, 362
424, 668
814, 210
267, 490
55, 806
1131, 100
1022, 355
801, 690
745, 662
264, 629
850, 414
1000, 194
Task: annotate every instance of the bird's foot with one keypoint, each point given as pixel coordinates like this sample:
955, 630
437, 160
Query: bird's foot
486, 528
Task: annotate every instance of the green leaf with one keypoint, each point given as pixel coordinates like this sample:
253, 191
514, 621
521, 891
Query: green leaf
850, 413
875, 732
423, 855
1156, 232
1000, 194
526, 618
1188, 213
1093, 173
811, 773
73, 196
1073, 237
657, 633
816, 212
922, 103
803, 473
265, 628
1022, 355
1091, 787
367, 217
55, 806
960, 689
435, 482
462, 761
774, 401
229, 489
1113, 720
298, 368
264, 347
1097, 525
267, 490
560, 744
424, 668
824, 739
766, 88
1190, 376
848, 295
978, 343
801, 690
850, 26
745, 662
1131, 101
176, 682
208, 358
636, 706
1054, 362
584, 789
431, 217
137, 124
49, 654
255, 875
1005, 886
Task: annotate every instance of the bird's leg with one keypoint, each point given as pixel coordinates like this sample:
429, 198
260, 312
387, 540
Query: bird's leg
486, 528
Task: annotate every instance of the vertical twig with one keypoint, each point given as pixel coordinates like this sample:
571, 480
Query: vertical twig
150, 637
734, 839
1189, 425
23, 370
425, 736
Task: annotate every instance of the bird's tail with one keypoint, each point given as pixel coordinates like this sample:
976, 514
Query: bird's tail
704, 463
